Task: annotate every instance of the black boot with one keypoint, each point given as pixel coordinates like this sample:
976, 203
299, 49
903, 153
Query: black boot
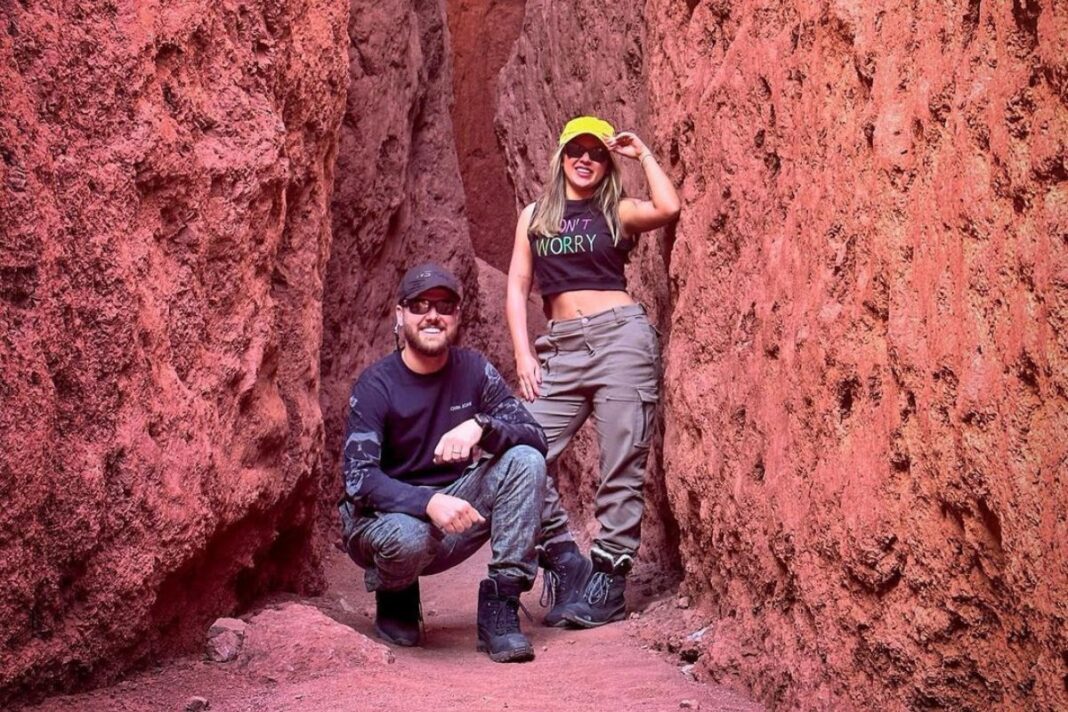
566, 574
602, 601
398, 616
498, 621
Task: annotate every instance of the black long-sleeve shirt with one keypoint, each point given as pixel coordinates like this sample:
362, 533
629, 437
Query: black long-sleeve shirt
397, 416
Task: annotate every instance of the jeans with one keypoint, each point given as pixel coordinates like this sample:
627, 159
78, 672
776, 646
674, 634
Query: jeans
395, 549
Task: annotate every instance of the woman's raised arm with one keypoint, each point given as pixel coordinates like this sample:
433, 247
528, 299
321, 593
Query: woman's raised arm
663, 205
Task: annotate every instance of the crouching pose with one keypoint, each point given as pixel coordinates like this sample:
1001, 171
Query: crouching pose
417, 499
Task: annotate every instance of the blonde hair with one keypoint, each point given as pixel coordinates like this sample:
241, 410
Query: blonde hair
549, 212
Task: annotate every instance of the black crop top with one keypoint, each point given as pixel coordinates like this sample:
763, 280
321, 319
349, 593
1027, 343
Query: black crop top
582, 255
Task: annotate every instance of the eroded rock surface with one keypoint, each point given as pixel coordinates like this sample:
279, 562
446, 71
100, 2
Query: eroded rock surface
865, 308
867, 383
482, 34
164, 187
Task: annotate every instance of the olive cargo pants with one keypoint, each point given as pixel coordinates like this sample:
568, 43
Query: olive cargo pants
606, 365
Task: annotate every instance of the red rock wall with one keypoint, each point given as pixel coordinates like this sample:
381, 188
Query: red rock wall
482, 34
570, 59
164, 185
867, 392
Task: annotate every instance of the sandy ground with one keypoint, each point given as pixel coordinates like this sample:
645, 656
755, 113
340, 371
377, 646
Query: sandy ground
603, 669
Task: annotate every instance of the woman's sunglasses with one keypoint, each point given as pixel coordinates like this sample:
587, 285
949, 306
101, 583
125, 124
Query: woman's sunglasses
597, 154
445, 307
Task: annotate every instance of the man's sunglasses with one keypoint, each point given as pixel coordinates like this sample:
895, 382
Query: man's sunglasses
445, 307
598, 154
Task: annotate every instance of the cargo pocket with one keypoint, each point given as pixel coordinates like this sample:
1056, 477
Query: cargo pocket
646, 416
544, 350
631, 419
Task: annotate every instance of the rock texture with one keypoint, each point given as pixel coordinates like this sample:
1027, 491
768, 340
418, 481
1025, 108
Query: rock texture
865, 311
164, 186
482, 34
868, 372
572, 59
225, 639
297, 642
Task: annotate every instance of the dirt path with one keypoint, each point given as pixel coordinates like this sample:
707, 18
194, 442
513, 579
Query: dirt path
603, 669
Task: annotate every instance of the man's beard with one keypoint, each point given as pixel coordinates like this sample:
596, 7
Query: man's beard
426, 346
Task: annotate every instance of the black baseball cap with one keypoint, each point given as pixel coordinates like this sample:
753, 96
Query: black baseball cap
424, 277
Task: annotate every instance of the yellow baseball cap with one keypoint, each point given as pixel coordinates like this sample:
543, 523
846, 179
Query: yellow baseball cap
598, 128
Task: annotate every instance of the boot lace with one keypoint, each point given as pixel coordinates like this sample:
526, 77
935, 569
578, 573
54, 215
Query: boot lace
507, 619
550, 588
598, 587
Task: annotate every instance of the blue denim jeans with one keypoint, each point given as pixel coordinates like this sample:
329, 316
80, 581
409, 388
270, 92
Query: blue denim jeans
508, 490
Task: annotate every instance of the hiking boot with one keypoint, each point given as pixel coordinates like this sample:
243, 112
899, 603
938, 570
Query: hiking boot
498, 621
399, 617
602, 600
566, 574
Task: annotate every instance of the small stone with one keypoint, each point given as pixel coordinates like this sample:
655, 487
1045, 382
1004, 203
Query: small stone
225, 638
683, 602
687, 671
346, 606
690, 705
432, 612
571, 642
635, 616
369, 612
197, 704
545, 648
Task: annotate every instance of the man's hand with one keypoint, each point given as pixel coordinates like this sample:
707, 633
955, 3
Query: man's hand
455, 445
452, 515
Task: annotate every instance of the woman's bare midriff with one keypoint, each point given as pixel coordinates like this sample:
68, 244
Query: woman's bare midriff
584, 302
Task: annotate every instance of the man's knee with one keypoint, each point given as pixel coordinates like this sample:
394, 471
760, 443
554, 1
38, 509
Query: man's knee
525, 463
404, 540
525, 458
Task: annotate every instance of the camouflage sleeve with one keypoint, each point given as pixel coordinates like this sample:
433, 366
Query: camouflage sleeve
366, 485
511, 423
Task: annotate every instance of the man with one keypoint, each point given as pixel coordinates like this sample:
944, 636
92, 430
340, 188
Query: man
417, 501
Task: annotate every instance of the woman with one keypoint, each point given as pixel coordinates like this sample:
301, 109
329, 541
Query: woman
600, 357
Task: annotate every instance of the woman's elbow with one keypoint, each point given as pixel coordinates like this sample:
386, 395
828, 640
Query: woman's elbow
669, 211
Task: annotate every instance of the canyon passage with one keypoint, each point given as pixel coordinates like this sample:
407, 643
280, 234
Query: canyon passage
856, 497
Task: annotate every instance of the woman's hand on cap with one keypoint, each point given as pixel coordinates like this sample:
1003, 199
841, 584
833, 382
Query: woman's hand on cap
626, 143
